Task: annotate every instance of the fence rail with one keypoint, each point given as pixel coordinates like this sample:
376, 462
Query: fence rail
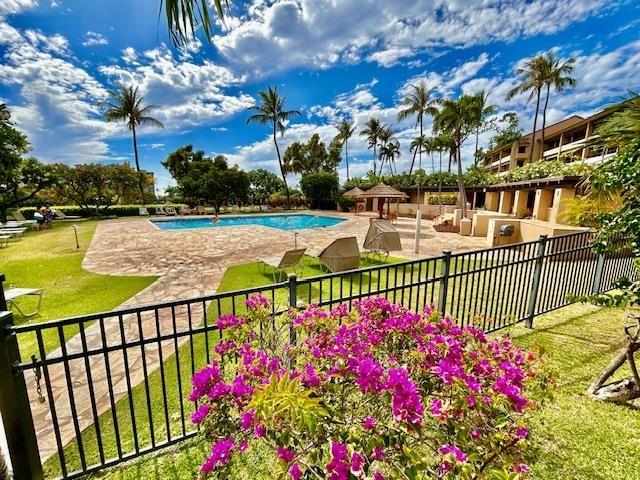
84, 393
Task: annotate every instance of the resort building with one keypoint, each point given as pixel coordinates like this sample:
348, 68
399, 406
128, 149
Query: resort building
563, 141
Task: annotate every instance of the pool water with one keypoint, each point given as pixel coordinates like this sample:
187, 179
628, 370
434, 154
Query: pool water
282, 222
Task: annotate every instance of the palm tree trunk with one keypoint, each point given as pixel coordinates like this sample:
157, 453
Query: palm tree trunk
374, 159
440, 182
450, 160
346, 155
475, 154
535, 125
544, 120
413, 161
135, 153
284, 177
463, 193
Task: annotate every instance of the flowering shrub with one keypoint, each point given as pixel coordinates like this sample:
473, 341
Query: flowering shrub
375, 393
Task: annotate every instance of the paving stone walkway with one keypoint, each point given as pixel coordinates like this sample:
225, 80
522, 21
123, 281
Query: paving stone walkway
190, 263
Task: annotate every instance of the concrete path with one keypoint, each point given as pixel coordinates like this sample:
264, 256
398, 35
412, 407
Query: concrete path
190, 263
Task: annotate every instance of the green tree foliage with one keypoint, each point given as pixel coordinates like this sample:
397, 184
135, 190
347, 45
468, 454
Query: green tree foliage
371, 132
321, 189
263, 184
206, 180
20, 179
312, 157
95, 187
623, 126
507, 130
551, 168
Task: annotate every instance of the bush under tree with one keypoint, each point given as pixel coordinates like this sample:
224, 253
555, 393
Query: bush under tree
321, 189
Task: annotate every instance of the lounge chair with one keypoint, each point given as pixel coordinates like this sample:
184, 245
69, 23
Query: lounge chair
143, 212
4, 240
13, 232
160, 211
185, 210
342, 254
62, 216
200, 210
382, 238
19, 218
171, 211
13, 294
279, 264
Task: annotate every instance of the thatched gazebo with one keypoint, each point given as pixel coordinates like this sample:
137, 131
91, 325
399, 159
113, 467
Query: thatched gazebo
384, 192
353, 193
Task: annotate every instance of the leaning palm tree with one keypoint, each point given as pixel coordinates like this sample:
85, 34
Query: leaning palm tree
457, 119
271, 112
483, 110
371, 131
534, 74
558, 76
417, 143
345, 131
126, 105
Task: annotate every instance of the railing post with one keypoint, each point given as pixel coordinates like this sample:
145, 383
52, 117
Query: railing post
597, 279
15, 409
535, 286
444, 281
293, 303
3, 301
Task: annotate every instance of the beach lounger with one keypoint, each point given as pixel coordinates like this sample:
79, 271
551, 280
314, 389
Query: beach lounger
160, 211
185, 211
342, 254
279, 264
4, 240
13, 294
13, 232
143, 212
59, 214
170, 211
19, 218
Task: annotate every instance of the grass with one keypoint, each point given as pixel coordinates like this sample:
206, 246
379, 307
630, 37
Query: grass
576, 437
49, 259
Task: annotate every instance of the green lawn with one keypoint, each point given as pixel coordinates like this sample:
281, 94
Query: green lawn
49, 259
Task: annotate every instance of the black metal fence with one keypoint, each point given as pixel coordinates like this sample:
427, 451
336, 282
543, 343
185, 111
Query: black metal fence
84, 393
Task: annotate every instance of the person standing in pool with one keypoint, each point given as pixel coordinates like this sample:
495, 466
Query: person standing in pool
215, 218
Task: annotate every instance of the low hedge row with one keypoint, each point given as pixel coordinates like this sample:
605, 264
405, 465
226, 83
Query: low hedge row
115, 210
445, 199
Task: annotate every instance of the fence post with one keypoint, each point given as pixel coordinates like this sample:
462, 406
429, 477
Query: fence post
15, 409
3, 301
293, 303
535, 286
444, 281
597, 279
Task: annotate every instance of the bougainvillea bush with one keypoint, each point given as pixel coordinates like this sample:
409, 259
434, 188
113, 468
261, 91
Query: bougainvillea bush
377, 393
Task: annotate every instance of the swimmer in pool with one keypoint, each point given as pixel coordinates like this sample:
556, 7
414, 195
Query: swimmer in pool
215, 219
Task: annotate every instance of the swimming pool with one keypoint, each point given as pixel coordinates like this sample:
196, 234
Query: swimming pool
282, 222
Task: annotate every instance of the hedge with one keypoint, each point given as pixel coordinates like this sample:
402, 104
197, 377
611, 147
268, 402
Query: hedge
114, 210
447, 199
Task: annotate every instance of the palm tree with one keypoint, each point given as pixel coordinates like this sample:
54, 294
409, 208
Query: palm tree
346, 129
271, 112
442, 143
126, 105
384, 136
457, 119
371, 131
483, 110
534, 74
417, 143
390, 151
622, 127
184, 16
417, 102
557, 76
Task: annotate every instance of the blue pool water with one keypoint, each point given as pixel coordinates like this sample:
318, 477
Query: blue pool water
282, 222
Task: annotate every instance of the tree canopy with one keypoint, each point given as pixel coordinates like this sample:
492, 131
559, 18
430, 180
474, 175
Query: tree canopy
263, 184
313, 156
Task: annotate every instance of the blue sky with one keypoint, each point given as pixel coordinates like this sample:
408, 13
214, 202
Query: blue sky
331, 58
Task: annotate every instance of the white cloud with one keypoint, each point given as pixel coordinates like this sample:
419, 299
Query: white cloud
320, 33
8, 7
94, 38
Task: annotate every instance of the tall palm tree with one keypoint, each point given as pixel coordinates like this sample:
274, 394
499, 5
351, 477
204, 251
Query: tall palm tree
483, 110
457, 119
384, 136
622, 127
346, 128
371, 131
126, 105
431, 146
534, 74
184, 16
390, 151
417, 143
271, 111
442, 143
558, 76
417, 102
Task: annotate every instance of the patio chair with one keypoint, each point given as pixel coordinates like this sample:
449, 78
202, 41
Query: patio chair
63, 216
185, 210
279, 264
13, 231
342, 254
19, 218
171, 211
4, 241
382, 238
143, 212
160, 210
13, 294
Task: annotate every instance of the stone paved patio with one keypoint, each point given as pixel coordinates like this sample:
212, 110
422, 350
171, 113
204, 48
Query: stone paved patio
190, 263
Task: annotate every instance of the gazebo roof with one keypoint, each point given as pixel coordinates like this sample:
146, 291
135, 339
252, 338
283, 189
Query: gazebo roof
383, 191
354, 192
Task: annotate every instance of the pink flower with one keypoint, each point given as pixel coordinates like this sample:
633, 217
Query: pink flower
310, 377
407, 404
458, 455
224, 347
295, 472
246, 419
520, 468
286, 454
203, 380
244, 445
200, 414
220, 455
522, 432
378, 476
369, 423
257, 301
340, 465
378, 453
229, 321
356, 463
260, 431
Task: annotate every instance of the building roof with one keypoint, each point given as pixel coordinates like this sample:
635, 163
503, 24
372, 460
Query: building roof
567, 180
383, 191
354, 192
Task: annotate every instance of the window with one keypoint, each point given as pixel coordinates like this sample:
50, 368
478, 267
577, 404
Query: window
522, 148
520, 163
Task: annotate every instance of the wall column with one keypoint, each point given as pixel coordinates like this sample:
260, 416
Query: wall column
506, 197
561, 197
520, 203
491, 201
544, 198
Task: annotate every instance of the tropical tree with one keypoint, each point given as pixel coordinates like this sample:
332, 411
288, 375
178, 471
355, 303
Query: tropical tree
417, 143
385, 135
417, 102
558, 76
312, 157
457, 118
271, 111
482, 110
623, 126
390, 151
534, 75
126, 105
371, 131
263, 184
346, 128
184, 16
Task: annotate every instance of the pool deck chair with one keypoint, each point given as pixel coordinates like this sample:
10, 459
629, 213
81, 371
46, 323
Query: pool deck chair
19, 218
4, 240
185, 211
160, 211
279, 264
170, 211
143, 212
62, 216
13, 294
382, 238
342, 254
13, 232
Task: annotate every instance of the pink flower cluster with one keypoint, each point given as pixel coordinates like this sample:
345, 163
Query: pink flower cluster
377, 371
